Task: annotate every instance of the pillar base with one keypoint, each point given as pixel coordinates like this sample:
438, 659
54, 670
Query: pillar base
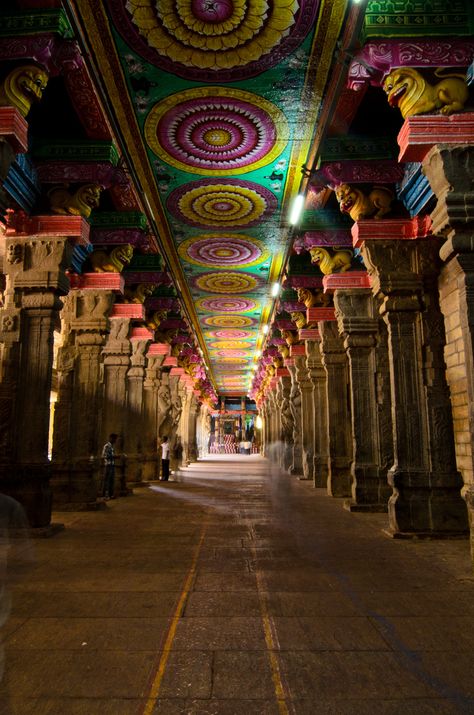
75, 486
352, 506
40, 532
29, 485
416, 508
426, 535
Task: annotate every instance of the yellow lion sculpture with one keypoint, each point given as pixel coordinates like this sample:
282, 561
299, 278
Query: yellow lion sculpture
312, 300
299, 319
115, 262
140, 293
359, 206
23, 86
408, 90
80, 203
339, 262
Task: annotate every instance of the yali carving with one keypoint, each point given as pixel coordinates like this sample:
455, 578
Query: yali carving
80, 203
358, 205
408, 90
22, 87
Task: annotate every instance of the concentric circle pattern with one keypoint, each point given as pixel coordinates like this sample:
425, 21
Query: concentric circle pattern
230, 345
226, 282
227, 304
232, 334
213, 130
233, 353
233, 360
229, 321
209, 203
219, 250
222, 39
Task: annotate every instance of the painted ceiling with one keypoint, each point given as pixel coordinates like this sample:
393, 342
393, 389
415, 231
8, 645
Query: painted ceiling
217, 100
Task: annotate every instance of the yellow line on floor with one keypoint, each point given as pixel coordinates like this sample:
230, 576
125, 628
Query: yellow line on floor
158, 679
272, 645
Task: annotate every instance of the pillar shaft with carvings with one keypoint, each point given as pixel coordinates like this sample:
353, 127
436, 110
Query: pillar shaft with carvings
359, 326
133, 440
305, 385
296, 466
286, 421
151, 386
116, 360
35, 279
450, 171
78, 410
426, 484
317, 376
335, 362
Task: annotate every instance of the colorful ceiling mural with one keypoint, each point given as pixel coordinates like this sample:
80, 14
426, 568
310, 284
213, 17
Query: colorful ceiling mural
217, 102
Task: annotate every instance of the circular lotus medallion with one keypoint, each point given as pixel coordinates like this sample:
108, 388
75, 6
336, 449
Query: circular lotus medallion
226, 305
208, 40
221, 250
232, 353
230, 344
226, 282
234, 360
209, 203
232, 334
229, 321
218, 131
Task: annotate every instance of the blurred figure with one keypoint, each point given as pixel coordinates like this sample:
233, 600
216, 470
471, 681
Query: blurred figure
15, 554
108, 455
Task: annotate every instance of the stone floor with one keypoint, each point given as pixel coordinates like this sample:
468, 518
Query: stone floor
237, 589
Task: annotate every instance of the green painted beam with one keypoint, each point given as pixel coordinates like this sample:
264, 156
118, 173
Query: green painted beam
79, 150
415, 18
118, 219
35, 22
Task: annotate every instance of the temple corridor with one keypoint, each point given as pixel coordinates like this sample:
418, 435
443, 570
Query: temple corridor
237, 589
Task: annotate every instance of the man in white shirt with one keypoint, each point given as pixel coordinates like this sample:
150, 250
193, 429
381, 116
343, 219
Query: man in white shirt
165, 460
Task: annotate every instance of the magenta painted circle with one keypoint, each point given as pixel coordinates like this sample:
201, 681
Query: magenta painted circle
227, 304
220, 133
232, 334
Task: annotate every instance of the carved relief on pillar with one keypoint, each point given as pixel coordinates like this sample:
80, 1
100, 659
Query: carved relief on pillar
334, 360
164, 406
450, 171
295, 406
420, 473
307, 415
356, 313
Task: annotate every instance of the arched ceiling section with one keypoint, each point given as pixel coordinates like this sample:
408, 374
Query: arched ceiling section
217, 102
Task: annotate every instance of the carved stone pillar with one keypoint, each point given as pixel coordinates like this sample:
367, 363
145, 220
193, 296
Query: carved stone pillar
307, 416
450, 171
335, 362
426, 485
35, 278
133, 442
359, 326
151, 386
286, 420
296, 466
116, 361
192, 429
319, 406
164, 414
76, 469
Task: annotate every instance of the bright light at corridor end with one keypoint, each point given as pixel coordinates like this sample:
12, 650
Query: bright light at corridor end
275, 289
296, 209
265, 329
258, 422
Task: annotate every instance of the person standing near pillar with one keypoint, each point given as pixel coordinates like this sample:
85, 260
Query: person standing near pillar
108, 455
165, 460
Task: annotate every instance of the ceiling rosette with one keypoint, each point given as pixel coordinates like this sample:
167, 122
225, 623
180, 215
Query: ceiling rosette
224, 40
223, 250
210, 203
216, 131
